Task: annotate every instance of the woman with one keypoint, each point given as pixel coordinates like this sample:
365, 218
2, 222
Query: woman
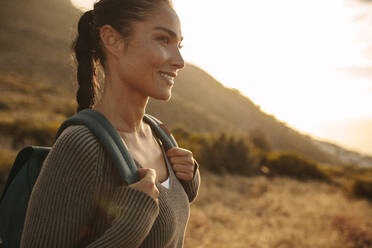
79, 199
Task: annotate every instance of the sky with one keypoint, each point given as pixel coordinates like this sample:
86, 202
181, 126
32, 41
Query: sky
309, 63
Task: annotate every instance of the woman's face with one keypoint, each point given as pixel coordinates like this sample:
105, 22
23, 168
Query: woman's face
152, 58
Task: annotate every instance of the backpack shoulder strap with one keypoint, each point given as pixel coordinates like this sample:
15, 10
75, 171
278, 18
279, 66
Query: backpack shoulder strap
161, 131
109, 138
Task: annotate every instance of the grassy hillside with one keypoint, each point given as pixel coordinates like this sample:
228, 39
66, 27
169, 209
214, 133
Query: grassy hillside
237, 212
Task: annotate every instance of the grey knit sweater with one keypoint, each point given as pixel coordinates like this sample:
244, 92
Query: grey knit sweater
79, 200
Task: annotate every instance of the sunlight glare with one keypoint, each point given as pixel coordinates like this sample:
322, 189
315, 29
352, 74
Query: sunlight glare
83, 5
284, 55
287, 56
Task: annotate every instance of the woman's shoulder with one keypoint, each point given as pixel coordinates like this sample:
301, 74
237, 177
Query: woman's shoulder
77, 135
75, 131
72, 158
78, 143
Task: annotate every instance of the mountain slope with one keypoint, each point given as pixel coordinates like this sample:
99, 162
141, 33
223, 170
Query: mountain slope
36, 46
230, 111
35, 39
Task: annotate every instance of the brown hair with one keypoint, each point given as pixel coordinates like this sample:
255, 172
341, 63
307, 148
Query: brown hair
87, 46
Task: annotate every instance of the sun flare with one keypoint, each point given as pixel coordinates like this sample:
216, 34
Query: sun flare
83, 4
287, 56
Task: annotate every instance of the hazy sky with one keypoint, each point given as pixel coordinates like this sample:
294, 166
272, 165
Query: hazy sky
307, 62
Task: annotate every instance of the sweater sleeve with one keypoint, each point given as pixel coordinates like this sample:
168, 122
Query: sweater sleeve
63, 202
134, 212
192, 187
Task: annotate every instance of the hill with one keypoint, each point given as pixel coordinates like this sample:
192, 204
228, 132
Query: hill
35, 39
36, 48
222, 109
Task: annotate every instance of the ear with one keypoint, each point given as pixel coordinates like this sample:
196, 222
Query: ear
112, 41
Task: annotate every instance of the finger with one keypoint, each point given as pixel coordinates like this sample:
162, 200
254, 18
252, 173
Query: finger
150, 175
183, 168
184, 176
182, 160
177, 151
142, 172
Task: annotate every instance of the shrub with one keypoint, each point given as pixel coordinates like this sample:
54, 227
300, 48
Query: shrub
66, 108
4, 106
293, 165
362, 188
181, 133
36, 130
229, 155
191, 141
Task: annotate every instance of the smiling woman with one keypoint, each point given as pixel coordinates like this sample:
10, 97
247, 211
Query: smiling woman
79, 199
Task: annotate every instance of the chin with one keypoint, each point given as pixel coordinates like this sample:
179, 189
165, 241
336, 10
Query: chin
166, 96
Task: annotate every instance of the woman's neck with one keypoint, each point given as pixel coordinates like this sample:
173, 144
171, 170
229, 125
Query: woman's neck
123, 106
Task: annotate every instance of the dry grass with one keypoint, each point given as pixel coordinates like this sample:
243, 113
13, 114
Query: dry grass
235, 211
20, 95
30, 112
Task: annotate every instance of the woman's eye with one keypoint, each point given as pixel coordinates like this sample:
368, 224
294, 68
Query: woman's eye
164, 39
167, 40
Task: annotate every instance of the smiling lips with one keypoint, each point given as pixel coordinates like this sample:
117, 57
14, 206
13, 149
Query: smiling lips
169, 76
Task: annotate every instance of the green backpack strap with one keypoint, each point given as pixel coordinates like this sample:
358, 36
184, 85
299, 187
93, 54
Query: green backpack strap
109, 138
112, 142
161, 132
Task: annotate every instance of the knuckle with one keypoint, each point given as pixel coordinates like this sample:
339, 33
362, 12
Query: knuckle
148, 184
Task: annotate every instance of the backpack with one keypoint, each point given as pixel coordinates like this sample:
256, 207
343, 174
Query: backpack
27, 165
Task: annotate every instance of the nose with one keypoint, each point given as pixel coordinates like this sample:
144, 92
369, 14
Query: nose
178, 61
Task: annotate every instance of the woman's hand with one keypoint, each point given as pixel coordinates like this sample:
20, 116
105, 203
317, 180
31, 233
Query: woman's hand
147, 183
183, 163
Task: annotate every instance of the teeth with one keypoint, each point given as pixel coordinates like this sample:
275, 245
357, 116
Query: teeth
166, 76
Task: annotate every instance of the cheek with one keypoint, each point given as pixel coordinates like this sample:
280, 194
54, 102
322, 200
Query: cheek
158, 56
143, 64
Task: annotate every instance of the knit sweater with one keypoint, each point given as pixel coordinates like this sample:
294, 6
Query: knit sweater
80, 200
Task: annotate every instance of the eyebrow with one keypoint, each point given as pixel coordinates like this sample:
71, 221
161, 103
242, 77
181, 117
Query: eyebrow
170, 32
